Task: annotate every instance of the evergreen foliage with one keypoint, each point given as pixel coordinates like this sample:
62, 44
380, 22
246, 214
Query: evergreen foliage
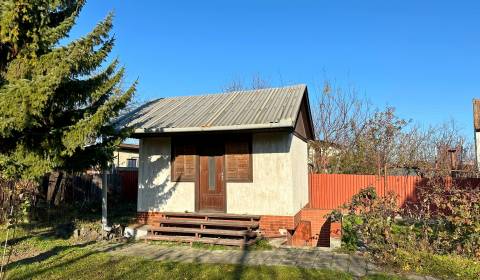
57, 105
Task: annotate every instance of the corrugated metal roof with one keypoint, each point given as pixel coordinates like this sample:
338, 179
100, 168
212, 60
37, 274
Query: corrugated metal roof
251, 109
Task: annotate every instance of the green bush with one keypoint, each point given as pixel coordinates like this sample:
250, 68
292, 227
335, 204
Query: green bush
261, 245
369, 223
350, 238
446, 222
439, 236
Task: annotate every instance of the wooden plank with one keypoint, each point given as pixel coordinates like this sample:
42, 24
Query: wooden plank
205, 231
215, 241
213, 215
302, 234
240, 224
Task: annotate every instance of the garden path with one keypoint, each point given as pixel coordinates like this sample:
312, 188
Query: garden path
306, 258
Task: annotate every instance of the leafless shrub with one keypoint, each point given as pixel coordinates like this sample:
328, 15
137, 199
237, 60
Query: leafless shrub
340, 116
257, 82
354, 138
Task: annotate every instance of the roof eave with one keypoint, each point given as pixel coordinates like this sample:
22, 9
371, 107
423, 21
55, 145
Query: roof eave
309, 113
215, 128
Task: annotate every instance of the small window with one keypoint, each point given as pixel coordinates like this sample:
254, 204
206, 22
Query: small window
132, 162
211, 173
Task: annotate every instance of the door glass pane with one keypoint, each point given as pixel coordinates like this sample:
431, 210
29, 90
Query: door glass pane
211, 173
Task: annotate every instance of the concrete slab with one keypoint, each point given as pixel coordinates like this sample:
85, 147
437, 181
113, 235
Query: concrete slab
356, 265
136, 231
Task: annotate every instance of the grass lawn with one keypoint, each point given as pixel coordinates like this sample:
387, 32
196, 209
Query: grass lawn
440, 266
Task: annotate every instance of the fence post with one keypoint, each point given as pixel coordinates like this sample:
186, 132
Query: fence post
104, 199
310, 190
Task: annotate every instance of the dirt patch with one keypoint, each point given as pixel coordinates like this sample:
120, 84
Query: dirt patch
21, 253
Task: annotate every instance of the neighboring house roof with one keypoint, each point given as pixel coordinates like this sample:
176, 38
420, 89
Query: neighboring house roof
241, 110
131, 147
329, 144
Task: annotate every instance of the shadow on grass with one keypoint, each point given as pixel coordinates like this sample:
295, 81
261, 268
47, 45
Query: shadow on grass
56, 251
45, 255
239, 268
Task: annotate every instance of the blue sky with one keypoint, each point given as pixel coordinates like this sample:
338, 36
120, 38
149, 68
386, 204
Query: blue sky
422, 57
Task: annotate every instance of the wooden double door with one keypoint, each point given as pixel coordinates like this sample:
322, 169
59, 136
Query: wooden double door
211, 181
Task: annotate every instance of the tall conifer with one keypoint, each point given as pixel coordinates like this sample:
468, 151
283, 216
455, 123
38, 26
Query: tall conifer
57, 103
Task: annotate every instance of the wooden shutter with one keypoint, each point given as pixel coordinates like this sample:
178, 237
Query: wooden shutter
238, 161
183, 162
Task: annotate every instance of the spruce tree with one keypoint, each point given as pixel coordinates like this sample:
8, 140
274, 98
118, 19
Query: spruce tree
57, 102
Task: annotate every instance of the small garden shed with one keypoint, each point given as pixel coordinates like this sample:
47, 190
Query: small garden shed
241, 153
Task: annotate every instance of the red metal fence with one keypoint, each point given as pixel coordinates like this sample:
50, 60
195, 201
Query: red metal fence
329, 191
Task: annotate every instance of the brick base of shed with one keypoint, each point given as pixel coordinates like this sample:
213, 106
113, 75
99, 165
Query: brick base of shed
149, 218
324, 233
274, 226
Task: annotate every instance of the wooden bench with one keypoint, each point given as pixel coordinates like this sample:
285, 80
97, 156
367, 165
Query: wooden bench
212, 228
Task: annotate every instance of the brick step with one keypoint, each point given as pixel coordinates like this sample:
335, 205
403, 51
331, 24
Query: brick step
221, 232
206, 240
212, 223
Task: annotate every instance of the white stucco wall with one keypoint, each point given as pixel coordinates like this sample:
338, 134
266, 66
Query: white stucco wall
156, 192
299, 155
280, 182
279, 187
271, 191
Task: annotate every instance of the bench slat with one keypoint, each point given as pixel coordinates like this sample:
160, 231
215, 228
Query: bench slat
204, 231
239, 224
213, 215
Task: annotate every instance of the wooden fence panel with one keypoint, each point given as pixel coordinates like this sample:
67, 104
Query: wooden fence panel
61, 187
129, 182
